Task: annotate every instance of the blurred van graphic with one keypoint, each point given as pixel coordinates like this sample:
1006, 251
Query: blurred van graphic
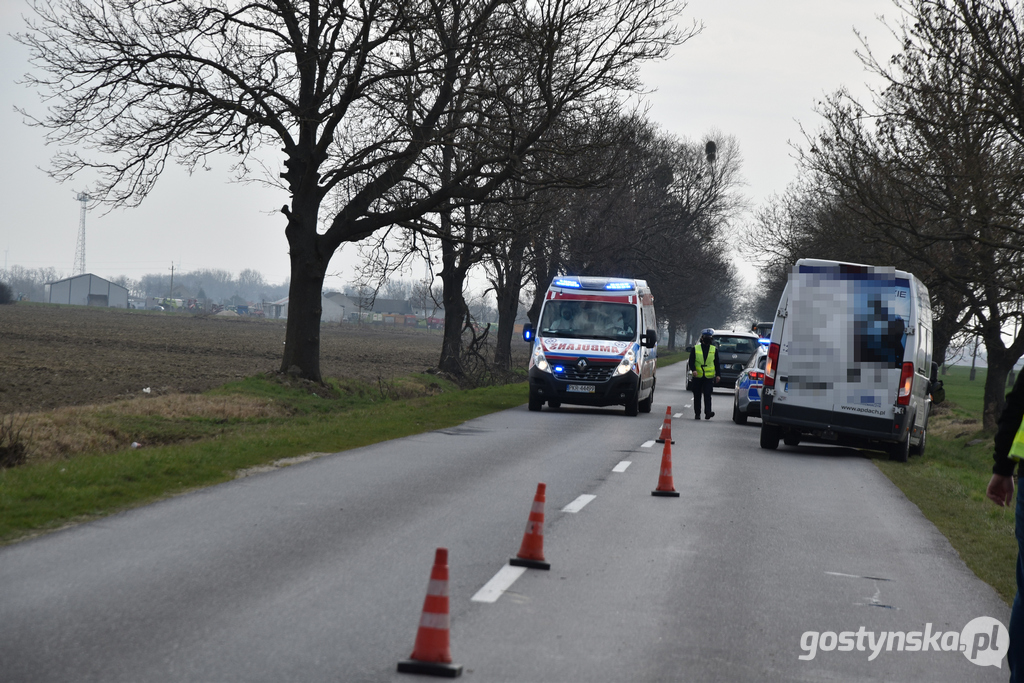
850, 359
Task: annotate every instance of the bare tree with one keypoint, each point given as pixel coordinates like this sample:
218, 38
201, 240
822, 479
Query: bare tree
354, 95
932, 170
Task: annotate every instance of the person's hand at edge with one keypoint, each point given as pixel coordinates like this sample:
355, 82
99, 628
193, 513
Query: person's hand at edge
1000, 490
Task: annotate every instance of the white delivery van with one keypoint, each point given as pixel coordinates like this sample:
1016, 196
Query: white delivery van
850, 359
595, 344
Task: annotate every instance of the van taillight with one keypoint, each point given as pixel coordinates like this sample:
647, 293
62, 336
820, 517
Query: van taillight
906, 385
772, 365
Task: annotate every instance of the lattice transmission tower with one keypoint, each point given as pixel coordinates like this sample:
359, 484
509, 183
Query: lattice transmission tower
83, 198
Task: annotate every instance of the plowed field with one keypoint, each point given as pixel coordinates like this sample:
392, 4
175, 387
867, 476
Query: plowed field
52, 356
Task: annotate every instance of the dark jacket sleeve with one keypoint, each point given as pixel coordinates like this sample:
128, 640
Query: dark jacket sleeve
718, 368
693, 358
1009, 422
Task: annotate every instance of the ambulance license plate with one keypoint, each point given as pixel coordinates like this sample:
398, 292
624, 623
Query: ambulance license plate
581, 388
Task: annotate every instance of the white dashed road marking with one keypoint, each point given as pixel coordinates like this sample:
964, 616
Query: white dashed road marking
621, 467
648, 444
578, 504
498, 584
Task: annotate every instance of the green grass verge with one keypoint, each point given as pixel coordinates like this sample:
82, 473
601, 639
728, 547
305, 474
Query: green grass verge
948, 484
666, 358
40, 497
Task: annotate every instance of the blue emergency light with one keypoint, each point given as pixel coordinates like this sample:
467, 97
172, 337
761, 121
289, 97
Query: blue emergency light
567, 282
619, 285
764, 342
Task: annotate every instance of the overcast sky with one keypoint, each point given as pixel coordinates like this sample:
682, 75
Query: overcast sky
754, 72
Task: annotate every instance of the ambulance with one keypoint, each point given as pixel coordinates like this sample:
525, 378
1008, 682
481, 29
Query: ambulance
850, 360
595, 344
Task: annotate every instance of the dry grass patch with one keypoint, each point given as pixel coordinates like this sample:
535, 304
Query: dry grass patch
66, 432
950, 424
182, 406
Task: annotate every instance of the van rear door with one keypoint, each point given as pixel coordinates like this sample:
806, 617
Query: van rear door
843, 341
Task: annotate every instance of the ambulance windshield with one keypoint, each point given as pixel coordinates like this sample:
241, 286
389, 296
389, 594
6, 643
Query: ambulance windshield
577, 319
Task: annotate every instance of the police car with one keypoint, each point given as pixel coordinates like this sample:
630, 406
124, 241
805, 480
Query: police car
747, 401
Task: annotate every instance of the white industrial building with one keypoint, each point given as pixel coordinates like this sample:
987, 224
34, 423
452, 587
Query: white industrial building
330, 311
88, 290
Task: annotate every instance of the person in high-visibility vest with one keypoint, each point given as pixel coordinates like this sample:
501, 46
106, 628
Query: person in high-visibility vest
704, 367
1009, 449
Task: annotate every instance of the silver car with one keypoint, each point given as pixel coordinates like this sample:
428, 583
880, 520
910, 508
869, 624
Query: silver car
747, 402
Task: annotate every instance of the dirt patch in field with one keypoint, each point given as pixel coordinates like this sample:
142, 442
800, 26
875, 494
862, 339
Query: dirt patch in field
54, 356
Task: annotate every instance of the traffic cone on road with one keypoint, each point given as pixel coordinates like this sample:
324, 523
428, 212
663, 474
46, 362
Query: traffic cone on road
531, 553
432, 653
665, 487
666, 428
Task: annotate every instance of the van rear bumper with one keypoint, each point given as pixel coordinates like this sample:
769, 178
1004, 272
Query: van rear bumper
848, 428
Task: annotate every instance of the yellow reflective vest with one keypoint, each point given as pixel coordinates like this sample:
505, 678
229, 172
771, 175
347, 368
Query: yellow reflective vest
1017, 447
704, 367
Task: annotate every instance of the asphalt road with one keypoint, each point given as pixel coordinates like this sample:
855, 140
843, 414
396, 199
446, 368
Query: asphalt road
318, 572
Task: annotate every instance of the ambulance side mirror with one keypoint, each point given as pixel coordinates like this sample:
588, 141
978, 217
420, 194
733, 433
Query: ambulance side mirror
650, 339
528, 332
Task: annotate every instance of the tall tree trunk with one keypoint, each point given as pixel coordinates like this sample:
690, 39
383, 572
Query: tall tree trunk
1001, 360
453, 281
507, 288
544, 271
308, 269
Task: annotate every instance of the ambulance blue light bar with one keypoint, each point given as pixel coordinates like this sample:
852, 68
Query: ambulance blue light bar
567, 282
619, 285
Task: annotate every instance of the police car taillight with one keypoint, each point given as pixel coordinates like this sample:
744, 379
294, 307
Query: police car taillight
757, 376
906, 385
772, 365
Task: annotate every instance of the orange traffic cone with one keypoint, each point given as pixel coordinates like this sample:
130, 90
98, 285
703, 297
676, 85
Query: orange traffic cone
665, 487
666, 427
531, 553
432, 653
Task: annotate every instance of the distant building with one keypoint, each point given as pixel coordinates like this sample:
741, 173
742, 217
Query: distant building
392, 306
350, 305
88, 290
330, 311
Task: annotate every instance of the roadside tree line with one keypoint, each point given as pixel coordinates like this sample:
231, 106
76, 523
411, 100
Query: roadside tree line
479, 133
624, 200
927, 175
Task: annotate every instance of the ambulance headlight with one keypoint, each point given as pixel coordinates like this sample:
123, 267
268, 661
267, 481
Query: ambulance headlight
626, 364
540, 362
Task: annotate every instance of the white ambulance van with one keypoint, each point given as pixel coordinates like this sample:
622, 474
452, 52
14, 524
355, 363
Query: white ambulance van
850, 360
595, 344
